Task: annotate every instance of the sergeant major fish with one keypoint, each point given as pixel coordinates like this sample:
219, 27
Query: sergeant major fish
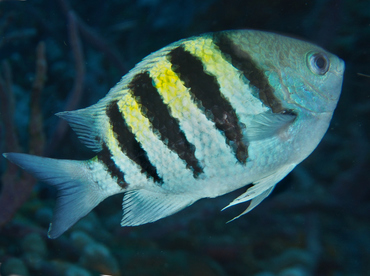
199, 118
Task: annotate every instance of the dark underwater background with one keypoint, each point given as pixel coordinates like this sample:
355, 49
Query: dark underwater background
63, 55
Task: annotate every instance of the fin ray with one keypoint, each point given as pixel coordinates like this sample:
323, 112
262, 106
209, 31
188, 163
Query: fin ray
266, 125
255, 201
77, 193
261, 189
86, 123
143, 206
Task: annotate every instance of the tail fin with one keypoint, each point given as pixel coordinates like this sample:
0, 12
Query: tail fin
77, 193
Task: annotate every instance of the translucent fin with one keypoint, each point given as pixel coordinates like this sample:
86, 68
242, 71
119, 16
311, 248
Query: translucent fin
266, 125
77, 193
261, 189
87, 124
255, 201
142, 206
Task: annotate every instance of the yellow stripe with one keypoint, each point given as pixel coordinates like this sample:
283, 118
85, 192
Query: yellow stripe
213, 62
158, 153
112, 142
233, 84
197, 128
132, 173
171, 88
177, 96
141, 128
139, 124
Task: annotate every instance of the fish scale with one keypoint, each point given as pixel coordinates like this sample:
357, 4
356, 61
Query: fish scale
205, 90
201, 117
141, 128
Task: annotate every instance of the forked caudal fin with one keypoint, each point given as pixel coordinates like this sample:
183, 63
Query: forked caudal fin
77, 193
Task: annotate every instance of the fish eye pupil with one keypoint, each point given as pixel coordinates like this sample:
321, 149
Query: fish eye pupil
318, 63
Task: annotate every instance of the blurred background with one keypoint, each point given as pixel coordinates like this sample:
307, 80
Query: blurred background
60, 55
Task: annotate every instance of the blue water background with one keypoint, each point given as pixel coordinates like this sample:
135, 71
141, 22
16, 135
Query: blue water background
317, 221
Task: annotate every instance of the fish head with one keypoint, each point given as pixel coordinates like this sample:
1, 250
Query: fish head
310, 77
300, 73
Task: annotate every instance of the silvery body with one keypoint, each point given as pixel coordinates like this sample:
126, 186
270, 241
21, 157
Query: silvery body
199, 118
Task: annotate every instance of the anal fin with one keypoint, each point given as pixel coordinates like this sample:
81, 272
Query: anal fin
143, 206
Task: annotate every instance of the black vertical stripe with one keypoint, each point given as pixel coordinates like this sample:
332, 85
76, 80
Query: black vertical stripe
128, 143
243, 62
205, 88
157, 112
105, 156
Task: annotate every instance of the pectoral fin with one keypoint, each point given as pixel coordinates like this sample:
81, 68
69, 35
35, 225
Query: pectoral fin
266, 125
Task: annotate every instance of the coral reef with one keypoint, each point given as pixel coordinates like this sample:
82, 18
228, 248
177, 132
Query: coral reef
60, 55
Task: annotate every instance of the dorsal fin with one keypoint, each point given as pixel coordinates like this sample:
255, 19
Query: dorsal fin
87, 124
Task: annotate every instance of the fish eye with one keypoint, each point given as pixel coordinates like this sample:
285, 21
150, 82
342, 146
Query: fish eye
318, 63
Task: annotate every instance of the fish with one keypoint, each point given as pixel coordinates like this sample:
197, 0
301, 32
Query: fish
199, 118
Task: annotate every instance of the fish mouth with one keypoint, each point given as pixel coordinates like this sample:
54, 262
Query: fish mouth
339, 71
